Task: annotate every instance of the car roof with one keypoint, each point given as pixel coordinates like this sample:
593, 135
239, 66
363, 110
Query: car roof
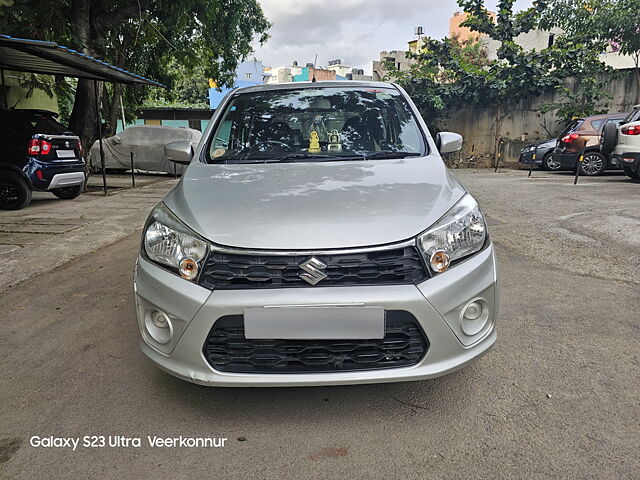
604, 115
318, 84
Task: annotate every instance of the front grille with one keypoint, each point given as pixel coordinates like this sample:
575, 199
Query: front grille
227, 350
401, 265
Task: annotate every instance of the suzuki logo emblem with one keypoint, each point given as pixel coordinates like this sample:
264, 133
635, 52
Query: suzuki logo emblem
313, 270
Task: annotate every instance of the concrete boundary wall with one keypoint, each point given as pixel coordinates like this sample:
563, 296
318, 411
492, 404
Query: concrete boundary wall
523, 123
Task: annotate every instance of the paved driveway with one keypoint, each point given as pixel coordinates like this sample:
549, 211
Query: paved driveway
50, 232
556, 397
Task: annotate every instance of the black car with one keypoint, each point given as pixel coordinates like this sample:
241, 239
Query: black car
37, 153
544, 154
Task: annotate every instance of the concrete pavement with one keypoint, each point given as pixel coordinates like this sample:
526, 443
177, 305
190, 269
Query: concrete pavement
50, 231
556, 398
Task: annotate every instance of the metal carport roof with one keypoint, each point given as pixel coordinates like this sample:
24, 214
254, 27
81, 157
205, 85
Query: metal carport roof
36, 56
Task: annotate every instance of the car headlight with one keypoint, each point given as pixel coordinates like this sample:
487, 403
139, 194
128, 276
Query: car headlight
169, 242
460, 233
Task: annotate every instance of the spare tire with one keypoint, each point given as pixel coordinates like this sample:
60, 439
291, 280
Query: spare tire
609, 138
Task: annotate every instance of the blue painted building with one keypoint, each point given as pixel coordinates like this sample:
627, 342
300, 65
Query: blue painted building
248, 73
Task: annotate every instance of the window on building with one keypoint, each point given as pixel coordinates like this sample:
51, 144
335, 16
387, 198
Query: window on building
551, 39
248, 76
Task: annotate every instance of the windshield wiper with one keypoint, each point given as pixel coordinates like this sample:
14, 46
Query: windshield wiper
390, 154
292, 157
301, 156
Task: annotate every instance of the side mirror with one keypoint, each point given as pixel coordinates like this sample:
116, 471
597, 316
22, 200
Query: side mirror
179, 152
448, 142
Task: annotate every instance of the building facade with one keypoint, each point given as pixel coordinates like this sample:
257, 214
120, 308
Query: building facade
464, 33
399, 59
283, 74
338, 67
541, 39
14, 93
309, 72
248, 74
534, 39
358, 74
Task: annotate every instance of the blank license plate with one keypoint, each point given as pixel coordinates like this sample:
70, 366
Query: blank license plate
66, 154
314, 323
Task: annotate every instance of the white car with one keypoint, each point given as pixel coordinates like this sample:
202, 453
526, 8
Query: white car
623, 141
316, 238
147, 143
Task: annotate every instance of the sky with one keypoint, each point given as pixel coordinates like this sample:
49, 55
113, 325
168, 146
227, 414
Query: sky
354, 31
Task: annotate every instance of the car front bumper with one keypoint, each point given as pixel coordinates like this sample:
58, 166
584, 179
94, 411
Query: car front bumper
527, 156
436, 304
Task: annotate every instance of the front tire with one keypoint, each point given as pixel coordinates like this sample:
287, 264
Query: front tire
68, 193
15, 192
593, 164
548, 163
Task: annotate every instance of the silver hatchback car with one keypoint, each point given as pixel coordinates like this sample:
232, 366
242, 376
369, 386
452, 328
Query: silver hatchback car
316, 238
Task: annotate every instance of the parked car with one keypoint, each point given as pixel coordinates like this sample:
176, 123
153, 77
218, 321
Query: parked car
37, 153
147, 144
586, 130
543, 151
316, 238
622, 141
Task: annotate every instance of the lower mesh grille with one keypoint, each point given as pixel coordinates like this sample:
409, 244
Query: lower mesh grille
227, 350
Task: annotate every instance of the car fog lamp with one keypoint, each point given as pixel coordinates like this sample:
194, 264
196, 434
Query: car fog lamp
188, 268
473, 312
440, 261
159, 327
474, 316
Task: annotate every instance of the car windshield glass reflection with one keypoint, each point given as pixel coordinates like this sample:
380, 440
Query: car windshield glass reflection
316, 124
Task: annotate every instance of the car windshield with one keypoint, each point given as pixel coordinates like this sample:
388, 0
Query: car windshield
316, 124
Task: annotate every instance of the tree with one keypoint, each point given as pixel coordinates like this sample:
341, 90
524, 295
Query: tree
581, 99
433, 80
452, 80
149, 37
187, 89
614, 23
